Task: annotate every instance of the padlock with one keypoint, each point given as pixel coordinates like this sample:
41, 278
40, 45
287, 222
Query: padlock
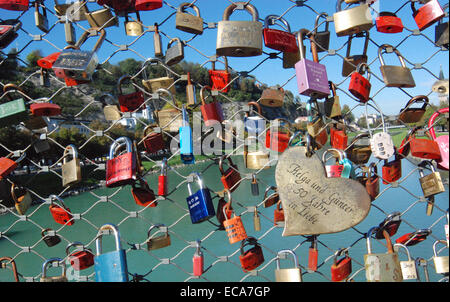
80, 64
440, 262
284, 41
239, 38
41, 20
130, 102
220, 214
76, 10
360, 86
256, 221
252, 258
158, 242
61, 8
411, 239
41, 145
256, 160
419, 147
50, 240
21, 197
272, 97
359, 150
336, 169
342, 268
186, 22
111, 110
313, 254
270, 200
157, 44
353, 20
254, 124
163, 180
254, 185
278, 136
382, 267
59, 262
13, 111
169, 119
408, 267
321, 38
370, 180
200, 203
381, 142
395, 76
61, 214
198, 260
16, 5
143, 195
110, 266
230, 178
102, 18
430, 13
431, 184
351, 62
291, 58
332, 105
186, 140
220, 79
441, 32
442, 140
174, 53
278, 215
47, 62
134, 28
316, 127
70, 169
234, 226
45, 109
410, 115
121, 170
390, 224
120, 6
338, 137
152, 85
69, 32
389, 23
312, 78
13, 266
80, 259
191, 96
288, 274
392, 171
148, 4
212, 112
8, 31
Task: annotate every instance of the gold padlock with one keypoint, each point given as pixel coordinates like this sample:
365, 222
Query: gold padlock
22, 198
111, 111
432, 183
134, 28
256, 160
332, 104
41, 20
353, 20
71, 170
359, 152
152, 85
395, 76
170, 118
351, 62
187, 22
157, 44
102, 18
272, 97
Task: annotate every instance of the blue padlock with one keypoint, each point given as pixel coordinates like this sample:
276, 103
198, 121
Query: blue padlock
200, 204
110, 266
186, 143
254, 125
349, 169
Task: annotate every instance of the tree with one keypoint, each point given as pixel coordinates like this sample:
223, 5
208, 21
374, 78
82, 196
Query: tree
33, 57
347, 114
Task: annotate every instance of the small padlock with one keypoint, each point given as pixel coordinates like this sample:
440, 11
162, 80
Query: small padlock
278, 215
342, 268
430, 13
134, 28
288, 274
189, 23
191, 96
80, 260
411, 239
270, 200
174, 53
370, 180
230, 178
381, 142
332, 104
441, 32
60, 278
392, 171
148, 4
110, 110
40, 19
256, 160
321, 38
442, 140
186, 140
198, 261
212, 112
360, 86
252, 258
13, 111
15, 5
13, 266
102, 18
121, 170
440, 262
338, 137
8, 31
389, 23
143, 195
254, 185
160, 241
410, 115
431, 184
22, 198
272, 97
45, 109
130, 102
313, 254
353, 20
351, 62
163, 180
395, 76
234, 226
50, 240
284, 41
200, 203
256, 220
157, 44
76, 10
70, 169
220, 79
336, 169
170, 119
408, 267
61, 214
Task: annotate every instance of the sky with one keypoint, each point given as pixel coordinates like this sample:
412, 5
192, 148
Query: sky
417, 49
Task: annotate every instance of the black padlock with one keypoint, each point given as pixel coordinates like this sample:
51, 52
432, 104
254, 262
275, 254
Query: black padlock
8, 31
441, 32
255, 186
50, 240
321, 38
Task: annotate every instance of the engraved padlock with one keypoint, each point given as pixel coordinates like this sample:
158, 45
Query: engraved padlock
187, 22
395, 76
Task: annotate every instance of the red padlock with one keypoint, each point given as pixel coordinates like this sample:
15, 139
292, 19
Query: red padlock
278, 214
132, 101
335, 170
8, 165
313, 254
392, 171
370, 180
163, 181
360, 86
61, 214
121, 170
251, 258
211, 112
389, 23
278, 140
198, 261
430, 13
154, 141
390, 224
338, 138
47, 62
419, 147
220, 79
284, 41
341, 268
148, 4
143, 195
233, 226
80, 260
414, 238
119, 5
45, 109
221, 215
18, 5
231, 176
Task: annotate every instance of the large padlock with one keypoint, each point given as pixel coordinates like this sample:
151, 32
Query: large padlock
360, 86
189, 23
200, 203
392, 171
186, 139
230, 178
332, 105
389, 23
395, 76
359, 150
441, 32
80, 259
130, 102
17, 5
233, 226
143, 195
155, 242
220, 79
212, 112
8, 31
152, 85
408, 267
40, 19
410, 115
49, 239
153, 139
430, 13
134, 28
352, 61
293, 274
353, 20
312, 78
321, 38
22, 198
110, 266
239, 38
342, 268
60, 213
284, 41
102, 18
431, 184
13, 111
440, 262
279, 135
382, 267
272, 97
148, 4
121, 170
80, 64
54, 262
13, 266
252, 258
442, 140
170, 118
174, 52
111, 110
70, 169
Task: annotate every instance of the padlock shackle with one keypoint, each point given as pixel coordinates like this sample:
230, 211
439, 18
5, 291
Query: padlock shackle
316, 23
53, 196
270, 188
13, 265
423, 164
167, 92
358, 35
396, 245
70, 150
246, 6
150, 61
339, 253
256, 105
213, 63
248, 241
199, 181
366, 69
386, 237
379, 111
174, 40
183, 6
336, 154
227, 206
271, 20
282, 252
432, 119
158, 226
395, 50
14, 186
302, 35
51, 261
122, 79
118, 143
98, 240
435, 244
202, 94
198, 248
164, 167
87, 34
230, 163
417, 99
75, 243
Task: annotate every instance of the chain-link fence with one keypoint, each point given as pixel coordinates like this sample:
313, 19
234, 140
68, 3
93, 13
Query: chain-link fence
97, 205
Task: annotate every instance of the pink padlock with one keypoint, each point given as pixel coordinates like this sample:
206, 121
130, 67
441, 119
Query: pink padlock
441, 140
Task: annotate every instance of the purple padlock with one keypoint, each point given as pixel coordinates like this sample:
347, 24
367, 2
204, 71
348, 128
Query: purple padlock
312, 76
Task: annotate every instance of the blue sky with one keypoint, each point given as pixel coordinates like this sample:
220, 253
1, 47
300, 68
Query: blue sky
417, 49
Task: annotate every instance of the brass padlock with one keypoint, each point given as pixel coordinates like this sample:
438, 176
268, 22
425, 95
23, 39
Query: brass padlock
102, 18
239, 38
71, 170
169, 119
157, 44
22, 198
395, 76
158, 242
175, 53
134, 28
353, 20
351, 62
332, 105
272, 97
432, 183
111, 110
256, 160
359, 149
41, 20
60, 278
189, 23
152, 85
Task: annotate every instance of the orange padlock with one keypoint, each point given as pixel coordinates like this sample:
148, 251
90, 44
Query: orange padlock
233, 227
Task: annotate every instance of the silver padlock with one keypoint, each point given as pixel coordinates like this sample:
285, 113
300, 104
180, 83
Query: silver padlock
288, 274
174, 53
440, 262
409, 271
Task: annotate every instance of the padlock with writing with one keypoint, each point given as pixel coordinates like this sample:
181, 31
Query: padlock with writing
342, 268
278, 135
50, 237
431, 184
13, 111
352, 20
187, 22
121, 170
428, 14
130, 102
163, 180
293, 274
199, 203
408, 267
15, 5
219, 79
284, 41
253, 257
13, 266
338, 137
395, 76
440, 262
413, 115
419, 147
231, 177
143, 195
61, 214
146, 5
80, 259
389, 23
212, 112
155, 242
198, 260
351, 62
70, 169
360, 86
21, 197
234, 226
134, 28
54, 262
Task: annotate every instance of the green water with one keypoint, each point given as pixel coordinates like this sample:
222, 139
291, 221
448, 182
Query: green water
17, 235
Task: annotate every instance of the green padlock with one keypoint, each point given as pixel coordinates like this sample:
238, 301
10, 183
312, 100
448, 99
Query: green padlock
14, 111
